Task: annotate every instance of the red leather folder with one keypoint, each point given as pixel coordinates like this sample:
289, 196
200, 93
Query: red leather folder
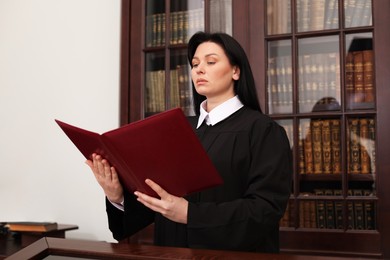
162, 147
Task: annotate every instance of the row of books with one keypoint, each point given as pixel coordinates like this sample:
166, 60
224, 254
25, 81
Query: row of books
183, 24
360, 214
317, 15
319, 146
180, 90
359, 78
278, 17
319, 77
361, 146
357, 13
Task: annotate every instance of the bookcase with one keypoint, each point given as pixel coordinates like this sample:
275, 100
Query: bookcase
322, 71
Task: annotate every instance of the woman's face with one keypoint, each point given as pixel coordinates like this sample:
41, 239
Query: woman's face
212, 73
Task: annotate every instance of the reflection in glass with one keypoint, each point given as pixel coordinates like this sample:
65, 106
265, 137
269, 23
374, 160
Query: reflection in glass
180, 83
359, 71
357, 13
221, 16
154, 83
361, 146
278, 16
317, 15
279, 84
319, 74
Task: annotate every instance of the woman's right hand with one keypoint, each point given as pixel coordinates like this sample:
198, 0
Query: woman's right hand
107, 178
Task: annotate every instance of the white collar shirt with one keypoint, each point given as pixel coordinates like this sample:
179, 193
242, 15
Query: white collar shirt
220, 112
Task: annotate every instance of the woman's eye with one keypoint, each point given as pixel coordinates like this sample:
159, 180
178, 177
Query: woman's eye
211, 62
194, 65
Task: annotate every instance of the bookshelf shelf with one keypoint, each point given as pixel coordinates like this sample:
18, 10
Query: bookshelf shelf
300, 53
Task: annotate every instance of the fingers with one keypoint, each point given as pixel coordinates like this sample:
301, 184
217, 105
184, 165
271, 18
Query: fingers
157, 188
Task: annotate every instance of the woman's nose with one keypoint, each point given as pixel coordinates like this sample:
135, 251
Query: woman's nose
199, 69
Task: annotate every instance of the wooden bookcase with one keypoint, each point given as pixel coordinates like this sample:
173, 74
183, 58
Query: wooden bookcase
322, 71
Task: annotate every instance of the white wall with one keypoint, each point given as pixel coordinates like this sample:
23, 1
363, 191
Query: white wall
58, 59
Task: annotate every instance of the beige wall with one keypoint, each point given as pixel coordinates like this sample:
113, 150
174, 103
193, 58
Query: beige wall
58, 59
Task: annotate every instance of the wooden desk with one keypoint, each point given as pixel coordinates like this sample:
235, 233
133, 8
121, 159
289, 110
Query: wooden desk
15, 241
82, 249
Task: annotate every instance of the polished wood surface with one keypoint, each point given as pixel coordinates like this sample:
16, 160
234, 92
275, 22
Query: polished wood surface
103, 250
15, 241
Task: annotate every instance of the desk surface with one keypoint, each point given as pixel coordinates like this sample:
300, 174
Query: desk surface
82, 249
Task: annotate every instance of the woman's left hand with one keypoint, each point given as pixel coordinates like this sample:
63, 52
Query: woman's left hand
170, 206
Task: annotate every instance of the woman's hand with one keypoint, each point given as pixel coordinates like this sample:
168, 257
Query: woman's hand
171, 207
107, 177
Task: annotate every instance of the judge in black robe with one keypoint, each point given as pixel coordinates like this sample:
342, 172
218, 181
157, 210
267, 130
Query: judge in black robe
252, 154
250, 151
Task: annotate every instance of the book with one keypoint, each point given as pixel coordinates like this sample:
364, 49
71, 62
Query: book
316, 126
364, 155
162, 147
358, 76
354, 142
336, 146
372, 149
368, 77
369, 211
320, 210
29, 226
326, 147
329, 210
338, 210
359, 210
349, 78
308, 149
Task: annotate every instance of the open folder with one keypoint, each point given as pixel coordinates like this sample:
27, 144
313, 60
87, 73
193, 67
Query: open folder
162, 147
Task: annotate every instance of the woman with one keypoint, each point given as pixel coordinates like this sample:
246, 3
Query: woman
250, 151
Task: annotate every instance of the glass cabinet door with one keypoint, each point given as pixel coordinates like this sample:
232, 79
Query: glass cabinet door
319, 74
359, 68
279, 77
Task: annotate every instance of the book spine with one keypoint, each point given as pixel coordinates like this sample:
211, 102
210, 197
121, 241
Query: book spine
355, 164
301, 152
350, 213
338, 210
326, 147
320, 210
336, 146
349, 78
368, 78
369, 212
358, 207
372, 148
317, 15
358, 77
317, 146
329, 210
364, 137
308, 148
357, 13
329, 14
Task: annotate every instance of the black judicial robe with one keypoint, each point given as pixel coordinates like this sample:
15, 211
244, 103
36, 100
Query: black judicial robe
252, 154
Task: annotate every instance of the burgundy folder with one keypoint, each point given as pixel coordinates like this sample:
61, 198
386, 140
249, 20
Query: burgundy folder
162, 147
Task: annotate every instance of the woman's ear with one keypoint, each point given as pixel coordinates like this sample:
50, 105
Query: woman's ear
236, 73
